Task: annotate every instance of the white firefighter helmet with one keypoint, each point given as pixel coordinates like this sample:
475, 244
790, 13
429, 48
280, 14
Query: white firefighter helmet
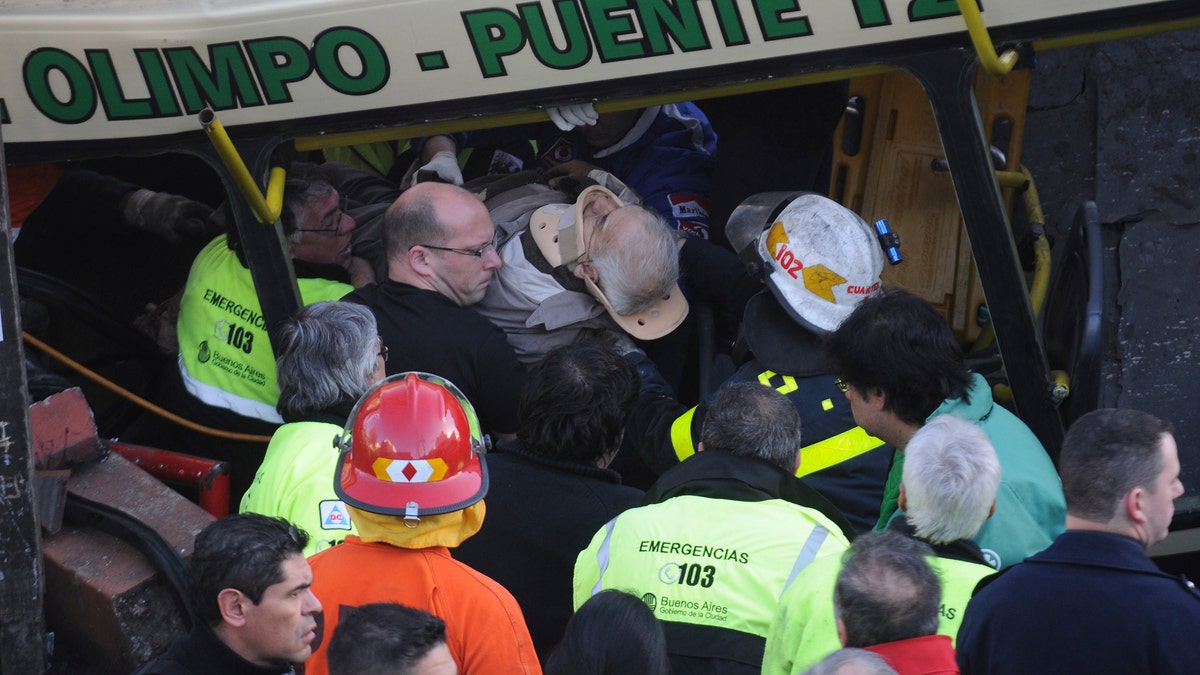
819, 258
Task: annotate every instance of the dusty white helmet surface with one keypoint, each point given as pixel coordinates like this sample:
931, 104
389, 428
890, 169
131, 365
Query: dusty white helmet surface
823, 260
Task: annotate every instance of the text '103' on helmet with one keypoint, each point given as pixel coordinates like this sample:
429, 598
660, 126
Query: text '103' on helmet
412, 447
819, 258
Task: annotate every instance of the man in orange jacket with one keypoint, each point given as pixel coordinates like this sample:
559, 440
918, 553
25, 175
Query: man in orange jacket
413, 478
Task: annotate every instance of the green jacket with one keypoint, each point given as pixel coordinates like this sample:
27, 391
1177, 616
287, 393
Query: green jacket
711, 567
295, 482
225, 356
1030, 509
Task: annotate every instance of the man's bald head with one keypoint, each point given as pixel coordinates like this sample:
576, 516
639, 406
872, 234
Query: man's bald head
440, 237
425, 214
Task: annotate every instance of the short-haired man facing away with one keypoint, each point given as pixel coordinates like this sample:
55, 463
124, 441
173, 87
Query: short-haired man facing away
387, 638
886, 601
720, 535
551, 488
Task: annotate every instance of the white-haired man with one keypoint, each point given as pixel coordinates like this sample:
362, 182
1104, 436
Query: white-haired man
949, 488
578, 264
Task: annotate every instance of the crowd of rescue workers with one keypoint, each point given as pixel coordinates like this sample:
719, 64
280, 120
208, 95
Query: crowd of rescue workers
588, 397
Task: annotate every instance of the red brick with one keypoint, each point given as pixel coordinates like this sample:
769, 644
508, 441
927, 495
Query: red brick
62, 430
102, 596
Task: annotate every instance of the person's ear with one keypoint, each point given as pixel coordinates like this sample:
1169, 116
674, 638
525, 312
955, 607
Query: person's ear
1133, 505
992, 510
700, 447
232, 604
841, 631
876, 398
585, 270
418, 260
902, 500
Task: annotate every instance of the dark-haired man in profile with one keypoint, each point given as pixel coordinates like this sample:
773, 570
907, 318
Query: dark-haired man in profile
900, 367
254, 612
1093, 602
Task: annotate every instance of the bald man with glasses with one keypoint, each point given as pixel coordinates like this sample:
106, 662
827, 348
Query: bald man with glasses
441, 258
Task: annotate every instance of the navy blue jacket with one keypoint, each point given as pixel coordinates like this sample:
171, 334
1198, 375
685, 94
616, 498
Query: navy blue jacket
541, 512
1092, 602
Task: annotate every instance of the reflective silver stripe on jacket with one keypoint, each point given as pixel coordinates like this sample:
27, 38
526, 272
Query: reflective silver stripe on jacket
808, 553
602, 555
219, 398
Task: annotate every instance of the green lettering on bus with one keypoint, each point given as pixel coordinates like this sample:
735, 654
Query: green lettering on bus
677, 19
79, 106
372, 61
578, 48
224, 85
775, 26
494, 34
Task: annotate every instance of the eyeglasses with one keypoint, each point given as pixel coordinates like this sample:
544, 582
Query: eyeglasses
383, 351
842, 385
476, 252
333, 222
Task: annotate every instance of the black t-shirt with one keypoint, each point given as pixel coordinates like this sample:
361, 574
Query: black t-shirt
426, 331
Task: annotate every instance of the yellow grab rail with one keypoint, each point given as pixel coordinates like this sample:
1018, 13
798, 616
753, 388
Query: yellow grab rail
268, 208
993, 64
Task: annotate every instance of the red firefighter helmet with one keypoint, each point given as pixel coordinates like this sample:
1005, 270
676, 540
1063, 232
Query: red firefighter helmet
412, 447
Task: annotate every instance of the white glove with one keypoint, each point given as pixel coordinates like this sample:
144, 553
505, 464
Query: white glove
445, 165
568, 117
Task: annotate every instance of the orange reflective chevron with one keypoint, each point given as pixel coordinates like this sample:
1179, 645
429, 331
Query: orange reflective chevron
409, 470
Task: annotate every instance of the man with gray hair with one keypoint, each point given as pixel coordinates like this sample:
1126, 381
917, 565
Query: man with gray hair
719, 536
577, 261
330, 355
950, 479
226, 376
886, 601
1094, 602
